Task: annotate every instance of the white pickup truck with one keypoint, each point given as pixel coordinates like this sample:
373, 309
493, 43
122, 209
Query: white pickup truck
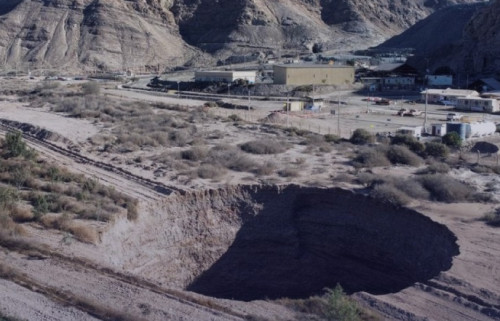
454, 117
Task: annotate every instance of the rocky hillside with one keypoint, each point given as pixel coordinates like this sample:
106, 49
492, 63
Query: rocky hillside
115, 35
477, 51
422, 36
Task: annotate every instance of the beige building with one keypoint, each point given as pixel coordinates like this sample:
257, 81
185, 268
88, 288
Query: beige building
310, 74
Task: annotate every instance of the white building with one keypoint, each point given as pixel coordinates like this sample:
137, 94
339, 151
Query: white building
439, 80
447, 95
225, 75
489, 105
412, 131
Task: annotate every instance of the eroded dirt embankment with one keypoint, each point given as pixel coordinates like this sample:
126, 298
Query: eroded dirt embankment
252, 242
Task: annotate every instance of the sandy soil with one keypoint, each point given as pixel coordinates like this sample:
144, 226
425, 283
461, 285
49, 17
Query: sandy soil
71, 128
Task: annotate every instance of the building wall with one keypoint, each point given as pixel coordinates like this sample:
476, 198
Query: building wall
324, 75
479, 104
439, 80
226, 76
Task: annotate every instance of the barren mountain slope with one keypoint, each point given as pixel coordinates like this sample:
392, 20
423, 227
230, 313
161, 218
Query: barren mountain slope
436, 30
89, 34
476, 52
116, 35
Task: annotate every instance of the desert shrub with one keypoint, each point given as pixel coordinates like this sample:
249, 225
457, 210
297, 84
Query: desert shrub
368, 179
411, 142
398, 154
493, 218
21, 214
435, 149
14, 144
209, 171
8, 197
194, 154
452, 139
289, 172
234, 117
266, 169
340, 307
411, 188
444, 188
294, 131
179, 137
265, 146
388, 193
371, 157
83, 233
231, 158
91, 88
132, 211
361, 137
40, 204
330, 138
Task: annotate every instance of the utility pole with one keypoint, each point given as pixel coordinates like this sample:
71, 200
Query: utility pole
178, 89
425, 111
338, 116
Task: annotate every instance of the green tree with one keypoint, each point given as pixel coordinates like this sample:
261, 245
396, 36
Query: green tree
340, 307
361, 137
452, 139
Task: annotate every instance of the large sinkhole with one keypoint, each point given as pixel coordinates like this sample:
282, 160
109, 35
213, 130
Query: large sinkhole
295, 241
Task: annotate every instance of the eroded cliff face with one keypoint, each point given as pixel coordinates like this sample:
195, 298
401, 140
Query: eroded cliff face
118, 35
85, 34
257, 242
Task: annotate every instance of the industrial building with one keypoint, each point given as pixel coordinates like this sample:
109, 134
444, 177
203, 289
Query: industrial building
225, 76
489, 105
471, 130
313, 74
439, 80
448, 95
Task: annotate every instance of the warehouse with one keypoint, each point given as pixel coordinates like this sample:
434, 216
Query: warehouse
225, 76
489, 105
313, 74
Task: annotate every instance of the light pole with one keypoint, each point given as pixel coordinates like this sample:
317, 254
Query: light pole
228, 91
178, 89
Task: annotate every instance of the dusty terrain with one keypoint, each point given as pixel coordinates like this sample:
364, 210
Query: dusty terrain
267, 226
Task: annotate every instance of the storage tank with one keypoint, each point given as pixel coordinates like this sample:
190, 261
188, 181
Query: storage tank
479, 129
463, 130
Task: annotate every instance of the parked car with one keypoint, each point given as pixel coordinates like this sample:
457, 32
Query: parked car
454, 117
383, 102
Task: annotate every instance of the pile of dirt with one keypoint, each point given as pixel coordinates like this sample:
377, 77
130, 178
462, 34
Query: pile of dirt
35, 131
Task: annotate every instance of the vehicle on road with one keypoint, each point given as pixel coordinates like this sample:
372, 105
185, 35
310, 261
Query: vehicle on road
454, 117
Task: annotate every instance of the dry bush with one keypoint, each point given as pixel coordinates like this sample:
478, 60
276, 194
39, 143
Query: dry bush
412, 188
344, 177
83, 233
289, 172
368, 179
435, 168
22, 214
194, 154
132, 210
371, 157
444, 188
398, 154
56, 221
265, 146
389, 194
231, 157
493, 218
361, 137
266, 169
209, 171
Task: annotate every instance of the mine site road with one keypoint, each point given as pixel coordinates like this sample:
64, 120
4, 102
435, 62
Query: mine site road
104, 168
